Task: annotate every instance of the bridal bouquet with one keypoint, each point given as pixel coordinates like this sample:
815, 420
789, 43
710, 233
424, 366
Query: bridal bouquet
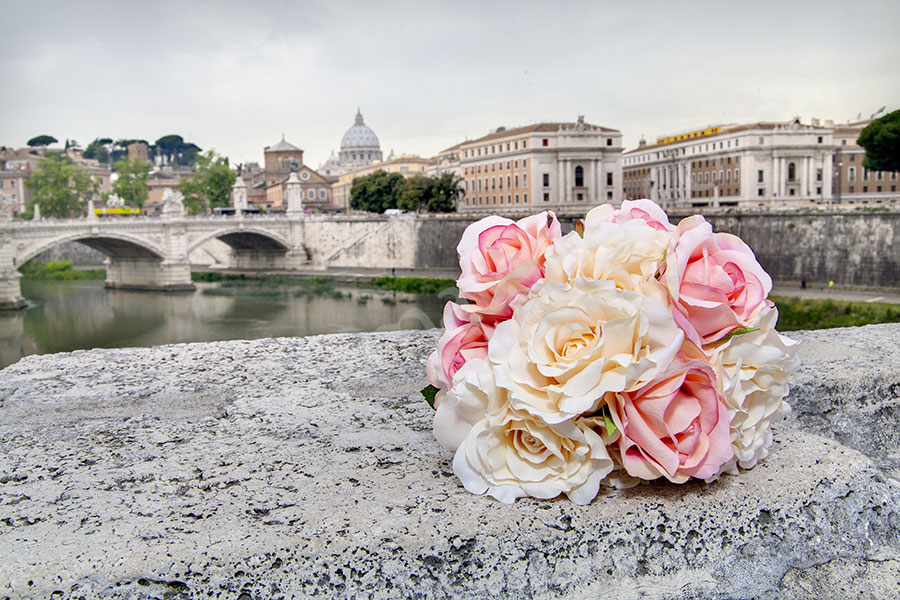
627, 350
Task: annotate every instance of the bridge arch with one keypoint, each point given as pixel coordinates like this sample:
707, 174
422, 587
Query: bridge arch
113, 245
244, 238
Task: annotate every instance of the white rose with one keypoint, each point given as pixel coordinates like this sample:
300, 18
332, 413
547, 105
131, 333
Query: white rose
569, 344
511, 454
754, 369
629, 254
471, 395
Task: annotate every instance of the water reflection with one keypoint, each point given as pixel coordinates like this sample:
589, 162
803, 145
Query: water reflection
71, 315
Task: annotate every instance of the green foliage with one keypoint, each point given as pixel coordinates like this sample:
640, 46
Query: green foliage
99, 150
176, 150
414, 285
381, 191
131, 185
60, 187
58, 269
210, 186
429, 391
881, 139
42, 140
376, 192
794, 313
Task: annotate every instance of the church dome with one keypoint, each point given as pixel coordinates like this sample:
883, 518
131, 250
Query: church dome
359, 136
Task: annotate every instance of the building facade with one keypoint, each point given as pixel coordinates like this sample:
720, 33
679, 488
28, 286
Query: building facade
755, 165
546, 165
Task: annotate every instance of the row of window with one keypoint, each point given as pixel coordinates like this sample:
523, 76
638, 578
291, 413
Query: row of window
509, 164
487, 200
722, 161
579, 178
496, 183
495, 148
723, 176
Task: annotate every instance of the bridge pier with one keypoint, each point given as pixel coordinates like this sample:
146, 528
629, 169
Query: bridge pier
148, 274
10, 291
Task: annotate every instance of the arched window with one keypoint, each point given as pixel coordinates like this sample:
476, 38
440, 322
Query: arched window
579, 177
792, 172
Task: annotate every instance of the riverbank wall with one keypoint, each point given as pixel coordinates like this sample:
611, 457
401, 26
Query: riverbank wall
299, 467
854, 250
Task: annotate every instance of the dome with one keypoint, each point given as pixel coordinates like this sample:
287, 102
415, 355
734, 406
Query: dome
359, 136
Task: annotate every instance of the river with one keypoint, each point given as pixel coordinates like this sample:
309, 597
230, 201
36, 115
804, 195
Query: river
74, 315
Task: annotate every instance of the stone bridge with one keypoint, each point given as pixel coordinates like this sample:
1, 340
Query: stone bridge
152, 253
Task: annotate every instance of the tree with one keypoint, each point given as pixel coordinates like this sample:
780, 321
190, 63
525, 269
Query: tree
60, 187
99, 150
376, 192
416, 192
881, 139
445, 193
210, 186
42, 140
131, 184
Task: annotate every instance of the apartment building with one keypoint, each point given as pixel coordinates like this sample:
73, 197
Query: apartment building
756, 165
544, 165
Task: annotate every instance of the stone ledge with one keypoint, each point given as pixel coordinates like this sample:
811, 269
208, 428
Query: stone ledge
294, 467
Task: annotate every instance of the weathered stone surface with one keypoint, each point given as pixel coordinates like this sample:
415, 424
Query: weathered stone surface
295, 467
848, 389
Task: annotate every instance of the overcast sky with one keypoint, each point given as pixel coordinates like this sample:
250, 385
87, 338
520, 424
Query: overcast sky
235, 75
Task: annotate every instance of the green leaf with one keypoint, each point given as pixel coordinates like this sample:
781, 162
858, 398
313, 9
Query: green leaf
429, 391
740, 331
608, 423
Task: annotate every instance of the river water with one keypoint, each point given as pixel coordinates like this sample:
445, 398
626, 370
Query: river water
73, 315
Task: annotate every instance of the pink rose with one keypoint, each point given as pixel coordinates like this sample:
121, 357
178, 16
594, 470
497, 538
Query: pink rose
464, 338
676, 426
715, 281
501, 259
644, 210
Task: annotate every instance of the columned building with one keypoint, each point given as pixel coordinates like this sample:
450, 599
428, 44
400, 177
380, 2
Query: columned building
756, 165
546, 165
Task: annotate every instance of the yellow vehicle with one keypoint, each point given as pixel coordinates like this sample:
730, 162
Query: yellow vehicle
117, 212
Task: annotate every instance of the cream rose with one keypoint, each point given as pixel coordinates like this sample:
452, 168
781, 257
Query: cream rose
511, 454
629, 254
472, 395
755, 368
569, 344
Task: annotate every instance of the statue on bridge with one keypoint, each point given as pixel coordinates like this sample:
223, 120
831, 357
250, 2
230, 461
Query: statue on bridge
7, 207
173, 203
113, 201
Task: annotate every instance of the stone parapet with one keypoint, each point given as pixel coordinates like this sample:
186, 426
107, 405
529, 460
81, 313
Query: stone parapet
287, 468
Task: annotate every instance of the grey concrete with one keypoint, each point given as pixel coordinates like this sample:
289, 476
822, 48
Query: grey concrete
301, 467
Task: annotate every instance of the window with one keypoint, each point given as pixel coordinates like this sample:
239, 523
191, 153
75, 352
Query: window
517, 198
792, 191
323, 194
609, 179
728, 176
706, 177
546, 197
545, 142
852, 189
524, 179
851, 174
852, 158
516, 179
579, 177
843, 142
759, 176
792, 172
579, 196
818, 174
525, 145
494, 183
865, 174
737, 173
609, 196
525, 198
507, 182
761, 141
818, 191
311, 194
721, 177
524, 162
820, 139
865, 188
609, 141
761, 192
546, 179
693, 178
